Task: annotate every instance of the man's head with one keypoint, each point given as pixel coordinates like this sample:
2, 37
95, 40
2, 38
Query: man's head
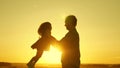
70, 22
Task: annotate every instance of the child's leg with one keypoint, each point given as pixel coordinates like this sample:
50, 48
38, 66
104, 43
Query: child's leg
32, 62
38, 55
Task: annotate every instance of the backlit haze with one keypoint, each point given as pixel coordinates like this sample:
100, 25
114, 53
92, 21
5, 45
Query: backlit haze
98, 26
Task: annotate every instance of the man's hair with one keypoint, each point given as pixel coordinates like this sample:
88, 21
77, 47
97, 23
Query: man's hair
72, 19
43, 27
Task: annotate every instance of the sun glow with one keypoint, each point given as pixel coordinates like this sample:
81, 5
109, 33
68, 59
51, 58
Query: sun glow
53, 56
63, 15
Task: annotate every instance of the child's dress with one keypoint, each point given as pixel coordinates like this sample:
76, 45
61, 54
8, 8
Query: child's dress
43, 43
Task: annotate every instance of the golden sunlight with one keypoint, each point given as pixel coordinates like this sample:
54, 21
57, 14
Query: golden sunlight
53, 56
63, 15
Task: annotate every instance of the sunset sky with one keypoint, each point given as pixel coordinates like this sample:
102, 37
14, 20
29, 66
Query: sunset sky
98, 26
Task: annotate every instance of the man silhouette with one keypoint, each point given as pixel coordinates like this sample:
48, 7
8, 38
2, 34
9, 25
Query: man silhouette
70, 44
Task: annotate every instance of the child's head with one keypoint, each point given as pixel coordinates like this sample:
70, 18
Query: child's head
44, 28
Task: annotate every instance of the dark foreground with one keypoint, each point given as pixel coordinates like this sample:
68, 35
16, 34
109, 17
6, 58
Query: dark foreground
23, 65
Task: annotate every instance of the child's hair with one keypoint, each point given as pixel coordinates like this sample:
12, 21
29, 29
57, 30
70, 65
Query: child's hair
43, 27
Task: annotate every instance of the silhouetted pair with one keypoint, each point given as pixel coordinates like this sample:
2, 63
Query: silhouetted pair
69, 44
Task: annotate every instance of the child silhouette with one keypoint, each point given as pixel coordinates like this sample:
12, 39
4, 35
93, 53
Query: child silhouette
42, 44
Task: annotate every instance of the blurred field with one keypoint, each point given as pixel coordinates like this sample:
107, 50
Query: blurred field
23, 65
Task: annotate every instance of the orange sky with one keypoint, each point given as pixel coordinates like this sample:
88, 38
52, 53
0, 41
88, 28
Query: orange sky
98, 26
